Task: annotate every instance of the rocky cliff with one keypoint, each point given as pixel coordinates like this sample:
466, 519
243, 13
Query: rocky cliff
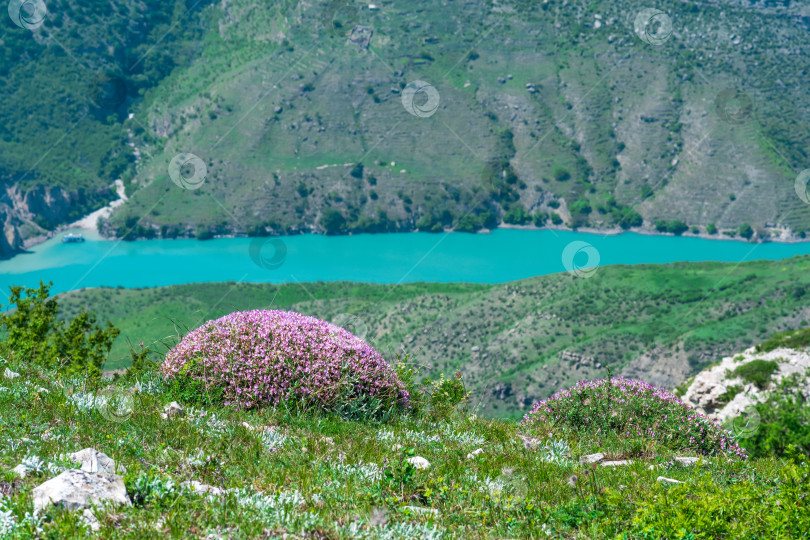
37, 211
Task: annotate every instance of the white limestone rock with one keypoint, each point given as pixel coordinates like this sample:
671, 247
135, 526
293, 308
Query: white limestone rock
75, 489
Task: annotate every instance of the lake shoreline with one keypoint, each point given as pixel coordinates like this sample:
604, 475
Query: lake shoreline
82, 225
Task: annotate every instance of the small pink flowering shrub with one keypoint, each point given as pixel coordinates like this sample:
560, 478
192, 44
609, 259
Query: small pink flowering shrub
257, 358
632, 408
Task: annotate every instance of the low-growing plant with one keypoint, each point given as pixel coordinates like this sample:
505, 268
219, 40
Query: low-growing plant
792, 339
757, 372
729, 394
631, 408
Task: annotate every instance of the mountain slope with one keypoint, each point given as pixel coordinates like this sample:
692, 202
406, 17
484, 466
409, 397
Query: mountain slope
516, 342
543, 108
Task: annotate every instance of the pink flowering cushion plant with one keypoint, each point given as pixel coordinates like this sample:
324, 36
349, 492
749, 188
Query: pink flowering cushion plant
261, 357
633, 409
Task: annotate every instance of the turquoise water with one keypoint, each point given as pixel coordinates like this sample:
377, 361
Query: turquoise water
504, 255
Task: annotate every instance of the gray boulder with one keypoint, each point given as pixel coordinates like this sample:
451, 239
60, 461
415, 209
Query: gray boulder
75, 489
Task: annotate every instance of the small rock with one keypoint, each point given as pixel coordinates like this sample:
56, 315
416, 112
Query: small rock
592, 458
419, 462
475, 453
20, 470
75, 489
687, 461
278, 110
10, 375
421, 510
90, 519
670, 480
201, 489
164, 416
501, 80
94, 461
616, 463
173, 409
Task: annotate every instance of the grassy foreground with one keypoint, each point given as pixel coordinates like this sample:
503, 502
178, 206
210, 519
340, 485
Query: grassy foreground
309, 475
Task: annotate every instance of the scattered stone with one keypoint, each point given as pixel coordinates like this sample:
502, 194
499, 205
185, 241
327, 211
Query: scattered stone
670, 480
501, 80
90, 519
94, 461
75, 489
687, 461
278, 110
20, 470
173, 410
475, 453
616, 463
419, 462
10, 375
592, 458
421, 510
201, 489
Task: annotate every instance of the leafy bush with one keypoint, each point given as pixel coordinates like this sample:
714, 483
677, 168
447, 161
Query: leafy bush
744, 509
445, 396
757, 371
34, 333
629, 408
784, 421
255, 358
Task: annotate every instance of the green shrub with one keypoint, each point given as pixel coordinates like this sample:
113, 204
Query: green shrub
757, 371
705, 510
784, 421
33, 333
729, 394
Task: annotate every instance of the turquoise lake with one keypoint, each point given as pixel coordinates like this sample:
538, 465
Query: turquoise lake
504, 255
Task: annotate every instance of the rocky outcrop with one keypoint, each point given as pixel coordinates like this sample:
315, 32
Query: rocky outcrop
720, 395
24, 213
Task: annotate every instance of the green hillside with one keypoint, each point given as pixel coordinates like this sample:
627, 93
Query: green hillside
546, 111
516, 342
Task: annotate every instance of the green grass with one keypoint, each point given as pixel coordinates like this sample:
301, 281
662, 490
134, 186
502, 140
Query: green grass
320, 476
659, 322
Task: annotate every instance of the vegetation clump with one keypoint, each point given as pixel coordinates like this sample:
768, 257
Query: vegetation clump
267, 357
632, 408
757, 372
